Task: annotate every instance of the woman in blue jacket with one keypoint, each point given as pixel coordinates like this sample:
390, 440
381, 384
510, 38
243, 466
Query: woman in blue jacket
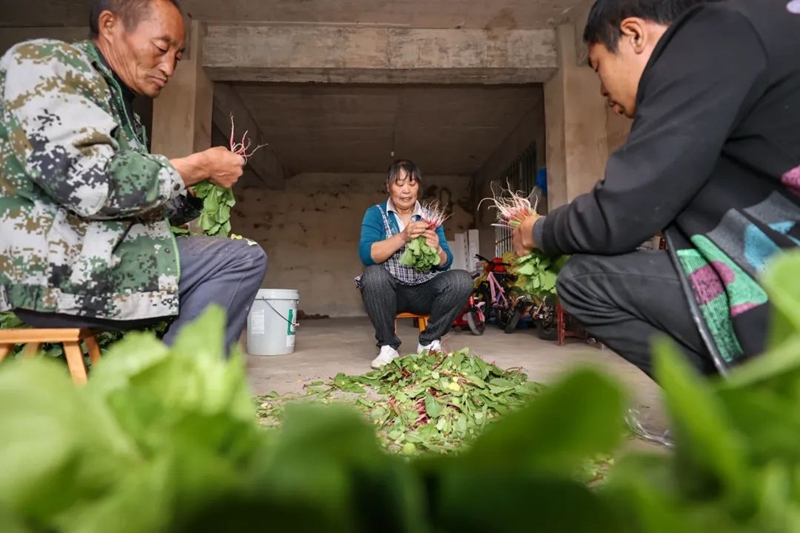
387, 287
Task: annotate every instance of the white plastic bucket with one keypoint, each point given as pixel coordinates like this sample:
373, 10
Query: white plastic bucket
272, 321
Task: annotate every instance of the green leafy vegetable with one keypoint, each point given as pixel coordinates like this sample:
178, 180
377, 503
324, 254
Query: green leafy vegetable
433, 402
167, 440
737, 441
420, 256
537, 273
179, 232
215, 220
781, 281
153, 423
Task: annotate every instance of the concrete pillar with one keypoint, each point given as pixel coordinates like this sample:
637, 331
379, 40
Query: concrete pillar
576, 121
182, 112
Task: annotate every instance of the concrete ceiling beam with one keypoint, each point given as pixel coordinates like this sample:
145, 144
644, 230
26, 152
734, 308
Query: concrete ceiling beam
347, 54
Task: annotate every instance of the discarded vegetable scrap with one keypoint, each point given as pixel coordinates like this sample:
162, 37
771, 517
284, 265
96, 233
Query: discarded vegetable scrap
419, 255
421, 402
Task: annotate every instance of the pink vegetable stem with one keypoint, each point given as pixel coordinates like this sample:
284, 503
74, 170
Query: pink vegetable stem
242, 148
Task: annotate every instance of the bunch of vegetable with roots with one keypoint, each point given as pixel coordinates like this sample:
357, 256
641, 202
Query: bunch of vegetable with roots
419, 255
512, 209
218, 201
537, 272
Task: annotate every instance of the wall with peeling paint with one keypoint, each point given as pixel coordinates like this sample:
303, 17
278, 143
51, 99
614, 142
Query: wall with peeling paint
310, 231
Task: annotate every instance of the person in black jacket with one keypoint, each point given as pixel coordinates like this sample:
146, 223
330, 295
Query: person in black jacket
712, 161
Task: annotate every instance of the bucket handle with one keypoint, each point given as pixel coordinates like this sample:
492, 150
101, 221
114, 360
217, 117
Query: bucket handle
280, 315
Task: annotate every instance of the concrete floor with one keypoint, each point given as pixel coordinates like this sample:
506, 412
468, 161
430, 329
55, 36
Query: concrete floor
329, 346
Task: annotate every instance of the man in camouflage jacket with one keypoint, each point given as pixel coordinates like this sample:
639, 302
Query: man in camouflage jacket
85, 211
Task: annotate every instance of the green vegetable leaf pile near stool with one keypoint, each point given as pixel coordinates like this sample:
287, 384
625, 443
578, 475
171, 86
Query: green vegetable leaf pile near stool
422, 402
419, 255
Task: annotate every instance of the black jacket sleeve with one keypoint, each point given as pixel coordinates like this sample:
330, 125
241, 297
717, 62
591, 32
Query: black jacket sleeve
697, 86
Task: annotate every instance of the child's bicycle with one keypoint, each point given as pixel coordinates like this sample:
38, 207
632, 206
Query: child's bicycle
545, 319
471, 317
503, 302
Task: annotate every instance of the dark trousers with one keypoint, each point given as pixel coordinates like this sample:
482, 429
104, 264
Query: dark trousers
218, 271
443, 297
625, 301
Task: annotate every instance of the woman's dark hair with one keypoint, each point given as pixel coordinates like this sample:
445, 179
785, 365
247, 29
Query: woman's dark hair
411, 170
131, 12
605, 17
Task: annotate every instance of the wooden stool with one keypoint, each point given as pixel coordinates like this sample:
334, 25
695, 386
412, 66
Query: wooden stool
71, 339
422, 320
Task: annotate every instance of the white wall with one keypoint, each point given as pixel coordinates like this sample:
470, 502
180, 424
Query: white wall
311, 229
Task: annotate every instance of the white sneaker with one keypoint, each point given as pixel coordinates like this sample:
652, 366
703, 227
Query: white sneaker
435, 346
387, 355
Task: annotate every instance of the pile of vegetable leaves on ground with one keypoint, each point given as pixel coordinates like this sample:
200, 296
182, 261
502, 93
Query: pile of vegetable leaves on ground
421, 402
419, 255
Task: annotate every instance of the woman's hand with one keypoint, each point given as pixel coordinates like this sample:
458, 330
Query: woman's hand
432, 238
414, 230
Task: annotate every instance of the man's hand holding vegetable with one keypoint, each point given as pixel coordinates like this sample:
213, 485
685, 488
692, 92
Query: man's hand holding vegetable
522, 236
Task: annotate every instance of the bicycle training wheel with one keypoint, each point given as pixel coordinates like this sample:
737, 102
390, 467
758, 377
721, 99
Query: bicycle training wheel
476, 321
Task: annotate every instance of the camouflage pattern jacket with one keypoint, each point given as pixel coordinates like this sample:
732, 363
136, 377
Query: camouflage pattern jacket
84, 209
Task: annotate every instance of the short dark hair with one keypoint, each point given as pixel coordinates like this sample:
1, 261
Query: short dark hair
406, 165
131, 12
605, 17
